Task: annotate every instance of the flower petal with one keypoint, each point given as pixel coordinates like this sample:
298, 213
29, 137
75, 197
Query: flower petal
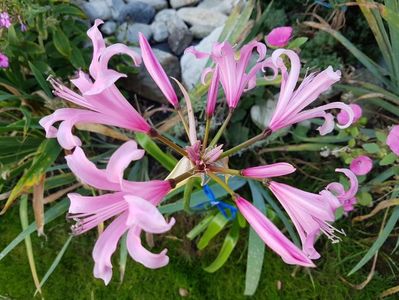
267, 171
98, 46
142, 255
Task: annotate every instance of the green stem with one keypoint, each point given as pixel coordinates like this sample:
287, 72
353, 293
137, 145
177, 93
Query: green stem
182, 177
180, 113
206, 136
226, 171
156, 135
221, 183
221, 130
265, 133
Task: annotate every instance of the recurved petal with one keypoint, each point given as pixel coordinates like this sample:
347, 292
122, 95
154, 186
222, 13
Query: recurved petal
141, 254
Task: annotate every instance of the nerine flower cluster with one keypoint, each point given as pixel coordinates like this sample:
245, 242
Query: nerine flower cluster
131, 207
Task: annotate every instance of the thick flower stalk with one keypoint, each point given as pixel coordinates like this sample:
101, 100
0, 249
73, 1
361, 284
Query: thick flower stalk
133, 204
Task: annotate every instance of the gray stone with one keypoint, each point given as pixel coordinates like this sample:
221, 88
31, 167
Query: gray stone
179, 36
138, 12
108, 28
144, 85
201, 31
192, 67
200, 16
223, 6
117, 7
181, 3
157, 4
166, 15
97, 9
130, 32
160, 31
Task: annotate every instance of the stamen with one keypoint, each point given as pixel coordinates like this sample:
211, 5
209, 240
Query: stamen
329, 231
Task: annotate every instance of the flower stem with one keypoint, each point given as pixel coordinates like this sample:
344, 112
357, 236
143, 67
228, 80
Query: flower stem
226, 171
206, 136
180, 113
182, 177
221, 129
265, 133
156, 135
221, 183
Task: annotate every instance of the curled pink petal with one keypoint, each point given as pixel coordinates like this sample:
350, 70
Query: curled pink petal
142, 255
343, 117
156, 71
267, 171
279, 36
361, 165
98, 46
346, 198
272, 236
393, 139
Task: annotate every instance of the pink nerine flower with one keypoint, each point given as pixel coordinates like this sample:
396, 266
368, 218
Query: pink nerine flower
4, 63
279, 36
103, 101
212, 92
291, 103
393, 139
133, 204
232, 68
5, 20
272, 236
311, 213
343, 116
156, 71
361, 165
346, 198
267, 171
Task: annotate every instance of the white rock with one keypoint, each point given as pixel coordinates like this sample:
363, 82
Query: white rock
109, 27
157, 4
159, 31
201, 31
200, 16
192, 67
97, 9
165, 15
130, 32
223, 6
181, 3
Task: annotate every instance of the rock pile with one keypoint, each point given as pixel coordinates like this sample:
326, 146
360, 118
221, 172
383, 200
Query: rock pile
171, 26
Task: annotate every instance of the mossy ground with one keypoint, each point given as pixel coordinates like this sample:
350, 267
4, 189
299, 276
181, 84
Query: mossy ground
73, 277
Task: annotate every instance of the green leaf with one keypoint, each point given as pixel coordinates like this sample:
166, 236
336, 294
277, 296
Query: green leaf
297, 43
61, 43
371, 148
256, 247
55, 263
214, 228
381, 238
188, 189
152, 148
381, 136
40, 80
388, 159
200, 227
57, 210
76, 58
122, 257
69, 10
364, 198
227, 248
46, 154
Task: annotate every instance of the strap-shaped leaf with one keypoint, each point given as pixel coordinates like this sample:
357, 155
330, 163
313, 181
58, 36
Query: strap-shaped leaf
219, 221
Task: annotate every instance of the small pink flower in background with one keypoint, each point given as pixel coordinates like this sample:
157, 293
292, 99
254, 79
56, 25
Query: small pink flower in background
23, 26
5, 20
361, 165
291, 103
393, 139
133, 204
4, 63
100, 99
279, 36
343, 116
267, 171
346, 198
272, 236
232, 68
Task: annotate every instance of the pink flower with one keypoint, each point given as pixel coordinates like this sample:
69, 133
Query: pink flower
313, 213
212, 92
279, 36
267, 171
4, 63
272, 236
361, 165
103, 101
5, 20
343, 116
232, 68
347, 199
393, 139
291, 102
133, 204
156, 71
22, 24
